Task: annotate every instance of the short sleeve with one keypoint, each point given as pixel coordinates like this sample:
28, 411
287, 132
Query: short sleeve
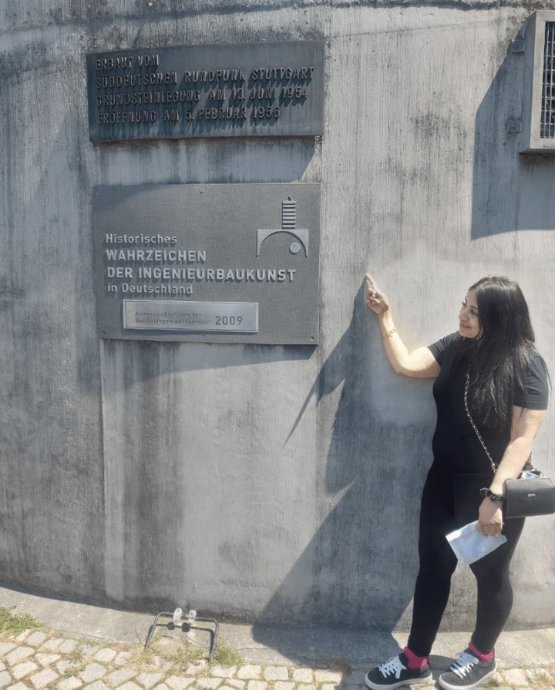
536, 395
439, 348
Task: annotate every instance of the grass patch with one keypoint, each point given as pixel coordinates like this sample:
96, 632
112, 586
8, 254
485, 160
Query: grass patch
542, 681
144, 657
71, 671
226, 656
184, 653
491, 683
14, 624
75, 657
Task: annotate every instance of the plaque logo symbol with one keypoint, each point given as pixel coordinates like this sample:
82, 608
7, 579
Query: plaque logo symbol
288, 226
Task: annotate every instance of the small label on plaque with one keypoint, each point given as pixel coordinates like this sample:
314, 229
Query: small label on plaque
200, 317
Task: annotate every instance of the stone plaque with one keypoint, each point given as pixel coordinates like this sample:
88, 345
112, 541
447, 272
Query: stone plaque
221, 90
228, 263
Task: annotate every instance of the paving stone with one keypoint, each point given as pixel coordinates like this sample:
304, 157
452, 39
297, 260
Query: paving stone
303, 675
120, 676
68, 646
24, 669
257, 685
276, 673
47, 659
24, 635
282, 685
21, 662
106, 655
516, 677
150, 679
177, 683
223, 671
65, 666
69, 684
36, 639
19, 654
123, 658
44, 678
99, 685
6, 647
327, 677
87, 650
92, 672
249, 672
194, 669
208, 683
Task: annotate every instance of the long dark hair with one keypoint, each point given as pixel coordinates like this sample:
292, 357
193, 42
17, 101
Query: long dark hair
498, 357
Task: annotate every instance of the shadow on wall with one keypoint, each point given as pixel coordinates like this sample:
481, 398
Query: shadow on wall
510, 191
144, 360
361, 564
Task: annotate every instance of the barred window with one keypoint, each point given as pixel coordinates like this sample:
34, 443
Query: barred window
547, 125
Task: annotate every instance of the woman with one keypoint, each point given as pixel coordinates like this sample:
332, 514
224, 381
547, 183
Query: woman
507, 399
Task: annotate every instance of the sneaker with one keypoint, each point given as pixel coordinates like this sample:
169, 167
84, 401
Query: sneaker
395, 673
467, 672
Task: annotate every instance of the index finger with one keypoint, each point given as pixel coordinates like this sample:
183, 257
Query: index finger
370, 282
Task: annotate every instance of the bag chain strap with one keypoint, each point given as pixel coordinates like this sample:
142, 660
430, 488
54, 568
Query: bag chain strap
467, 384
529, 465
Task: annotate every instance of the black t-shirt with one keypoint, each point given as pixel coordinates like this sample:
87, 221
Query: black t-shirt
455, 443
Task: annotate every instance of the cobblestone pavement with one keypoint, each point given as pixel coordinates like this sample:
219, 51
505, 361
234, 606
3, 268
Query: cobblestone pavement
38, 659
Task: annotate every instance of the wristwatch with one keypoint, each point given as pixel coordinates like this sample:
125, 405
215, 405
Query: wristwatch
493, 497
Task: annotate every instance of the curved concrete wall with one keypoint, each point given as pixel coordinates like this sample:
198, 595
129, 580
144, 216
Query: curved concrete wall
277, 484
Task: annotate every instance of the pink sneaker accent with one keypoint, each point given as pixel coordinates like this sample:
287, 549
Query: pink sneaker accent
484, 658
416, 661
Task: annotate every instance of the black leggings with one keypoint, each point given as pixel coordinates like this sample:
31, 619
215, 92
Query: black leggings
450, 501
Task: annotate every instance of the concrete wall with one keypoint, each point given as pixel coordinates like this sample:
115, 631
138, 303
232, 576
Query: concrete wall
278, 484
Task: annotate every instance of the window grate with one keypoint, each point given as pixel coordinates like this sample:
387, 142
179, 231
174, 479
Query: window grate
547, 125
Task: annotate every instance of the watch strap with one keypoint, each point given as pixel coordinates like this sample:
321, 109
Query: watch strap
493, 497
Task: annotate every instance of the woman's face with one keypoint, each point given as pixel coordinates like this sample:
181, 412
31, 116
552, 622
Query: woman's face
469, 323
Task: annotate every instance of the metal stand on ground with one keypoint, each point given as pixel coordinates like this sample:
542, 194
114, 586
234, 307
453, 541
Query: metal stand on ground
191, 618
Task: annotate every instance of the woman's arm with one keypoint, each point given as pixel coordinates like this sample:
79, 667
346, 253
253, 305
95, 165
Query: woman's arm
524, 428
525, 425
419, 363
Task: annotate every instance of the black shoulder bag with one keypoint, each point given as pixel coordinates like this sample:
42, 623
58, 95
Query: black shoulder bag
532, 493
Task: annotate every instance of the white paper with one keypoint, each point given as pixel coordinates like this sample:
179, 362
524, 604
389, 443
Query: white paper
470, 545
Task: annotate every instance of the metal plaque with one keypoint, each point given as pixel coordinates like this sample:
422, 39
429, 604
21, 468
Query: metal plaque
275, 88
229, 263
167, 315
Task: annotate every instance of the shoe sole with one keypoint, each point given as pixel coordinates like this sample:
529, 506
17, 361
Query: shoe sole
400, 684
448, 686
